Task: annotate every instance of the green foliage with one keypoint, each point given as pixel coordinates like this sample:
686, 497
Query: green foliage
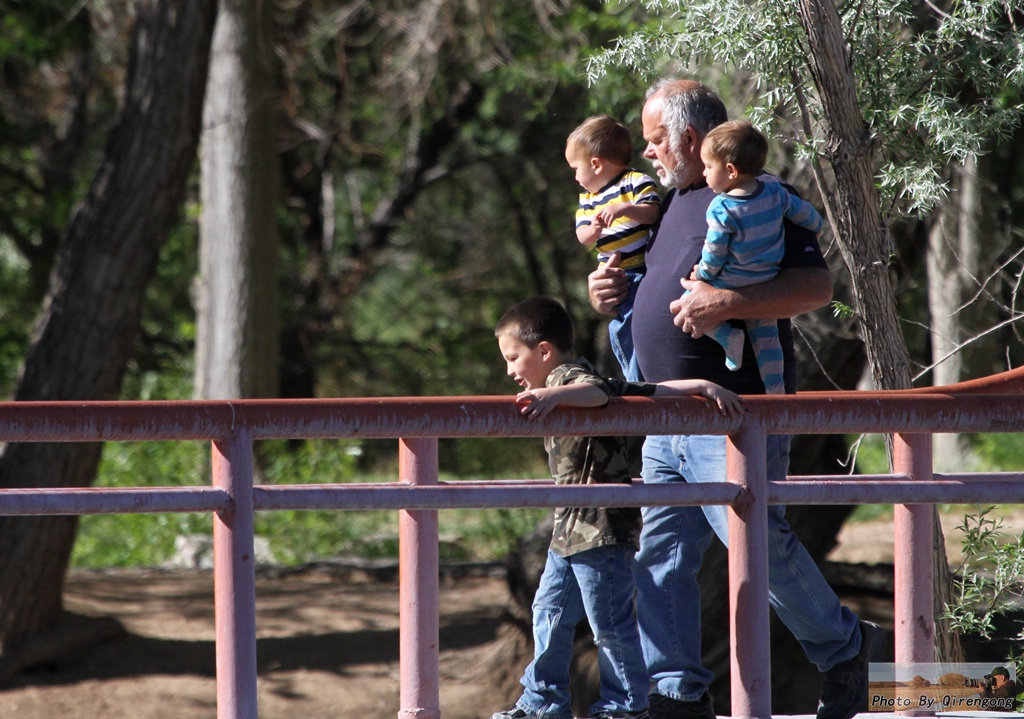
998, 452
932, 86
841, 310
142, 539
990, 580
56, 101
294, 537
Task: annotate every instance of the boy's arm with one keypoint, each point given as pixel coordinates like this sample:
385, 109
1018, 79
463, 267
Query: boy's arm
713, 254
802, 213
646, 213
727, 401
589, 234
537, 403
716, 243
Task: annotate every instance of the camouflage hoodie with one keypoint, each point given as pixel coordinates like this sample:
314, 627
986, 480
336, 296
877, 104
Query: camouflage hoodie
592, 460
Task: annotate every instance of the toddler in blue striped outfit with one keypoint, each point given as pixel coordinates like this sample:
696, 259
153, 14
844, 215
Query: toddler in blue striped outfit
744, 244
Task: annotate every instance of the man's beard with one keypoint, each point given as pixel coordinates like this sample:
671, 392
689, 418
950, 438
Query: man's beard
669, 178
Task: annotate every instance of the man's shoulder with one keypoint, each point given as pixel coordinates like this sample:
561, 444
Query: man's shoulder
774, 183
637, 176
693, 199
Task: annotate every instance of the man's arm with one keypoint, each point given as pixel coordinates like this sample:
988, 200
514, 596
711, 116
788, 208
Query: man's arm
792, 292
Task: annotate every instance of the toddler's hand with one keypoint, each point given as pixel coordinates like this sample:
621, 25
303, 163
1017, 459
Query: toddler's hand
606, 217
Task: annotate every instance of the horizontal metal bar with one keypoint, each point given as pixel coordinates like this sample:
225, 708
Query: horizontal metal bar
462, 496
964, 490
825, 489
111, 500
390, 417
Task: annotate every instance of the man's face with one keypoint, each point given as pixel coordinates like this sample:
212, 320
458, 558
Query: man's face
676, 168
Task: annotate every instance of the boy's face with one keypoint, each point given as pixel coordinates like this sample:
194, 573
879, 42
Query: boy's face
528, 366
590, 171
721, 176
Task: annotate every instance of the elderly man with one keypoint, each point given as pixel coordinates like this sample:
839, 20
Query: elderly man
668, 333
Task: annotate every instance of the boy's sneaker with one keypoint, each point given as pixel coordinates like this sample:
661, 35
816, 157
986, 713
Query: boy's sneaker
663, 707
844, 687
515, 713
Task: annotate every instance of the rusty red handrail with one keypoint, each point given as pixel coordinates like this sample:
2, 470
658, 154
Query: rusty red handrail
991, 404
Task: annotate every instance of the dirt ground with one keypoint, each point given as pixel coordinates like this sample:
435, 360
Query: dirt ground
327, 644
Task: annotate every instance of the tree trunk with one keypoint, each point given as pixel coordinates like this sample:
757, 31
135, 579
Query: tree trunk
236, 293
83, 338
859, 227
944, 326
853, 208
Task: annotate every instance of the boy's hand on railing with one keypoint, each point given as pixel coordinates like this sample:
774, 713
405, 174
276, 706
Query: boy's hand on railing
729, 403
537, 403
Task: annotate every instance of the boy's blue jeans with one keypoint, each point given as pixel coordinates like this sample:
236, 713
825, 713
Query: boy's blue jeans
620, 331
672, 546
596, 584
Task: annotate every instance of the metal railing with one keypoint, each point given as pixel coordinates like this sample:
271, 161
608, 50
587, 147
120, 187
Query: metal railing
993, 404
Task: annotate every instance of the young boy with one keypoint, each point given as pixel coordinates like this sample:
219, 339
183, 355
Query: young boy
588, 573
615, 213
744, 243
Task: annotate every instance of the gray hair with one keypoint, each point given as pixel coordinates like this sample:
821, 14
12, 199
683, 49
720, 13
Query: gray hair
687, 102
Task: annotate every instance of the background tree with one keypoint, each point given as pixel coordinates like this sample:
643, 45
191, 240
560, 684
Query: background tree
84, 335
236, 290
424, 188
881, 100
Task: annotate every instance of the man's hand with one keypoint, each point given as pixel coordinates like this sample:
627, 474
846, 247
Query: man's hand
698, 311
792, 292
608, 286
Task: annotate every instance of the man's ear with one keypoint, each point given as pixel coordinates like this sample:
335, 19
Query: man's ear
693, 138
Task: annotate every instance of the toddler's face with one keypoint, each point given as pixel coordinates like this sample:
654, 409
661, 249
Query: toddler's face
719, 177
586, 169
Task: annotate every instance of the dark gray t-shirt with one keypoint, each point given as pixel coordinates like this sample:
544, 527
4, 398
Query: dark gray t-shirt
665, 352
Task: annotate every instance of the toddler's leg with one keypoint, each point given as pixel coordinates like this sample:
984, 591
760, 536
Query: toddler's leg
732, 339
764, 335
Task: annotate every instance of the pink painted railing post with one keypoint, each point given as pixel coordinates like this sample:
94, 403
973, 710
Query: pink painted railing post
418, 592
235, 579
748, 575
913, 525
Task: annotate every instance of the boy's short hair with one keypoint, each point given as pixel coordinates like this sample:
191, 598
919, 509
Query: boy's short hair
538, 319
602, 136
738, 142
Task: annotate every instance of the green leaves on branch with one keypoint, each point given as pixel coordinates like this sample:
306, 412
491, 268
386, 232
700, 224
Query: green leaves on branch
990, 580
933, 85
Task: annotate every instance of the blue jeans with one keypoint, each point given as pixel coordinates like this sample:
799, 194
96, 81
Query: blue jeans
672, 546
620, 331
596, 584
